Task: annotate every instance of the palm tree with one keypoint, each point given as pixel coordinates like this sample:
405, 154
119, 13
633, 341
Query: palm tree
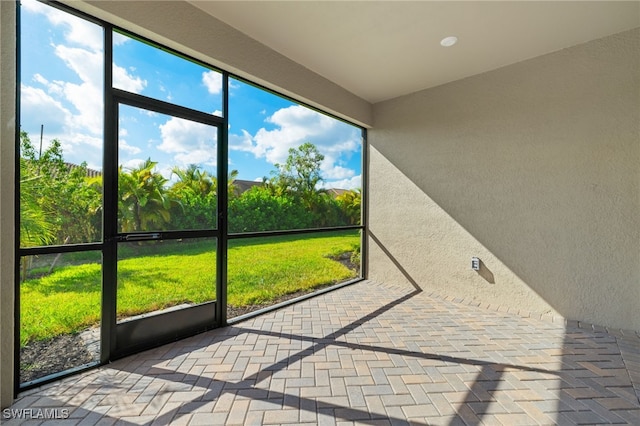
193, 179
350, 203
200, 182
36, 226
144, 201
231, 186
36, 229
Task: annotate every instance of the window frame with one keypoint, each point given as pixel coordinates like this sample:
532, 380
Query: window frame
107, 246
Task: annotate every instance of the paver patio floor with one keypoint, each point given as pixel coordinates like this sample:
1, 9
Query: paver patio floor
369, 354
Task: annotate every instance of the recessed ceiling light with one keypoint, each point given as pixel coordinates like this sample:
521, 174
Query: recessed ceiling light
449, 41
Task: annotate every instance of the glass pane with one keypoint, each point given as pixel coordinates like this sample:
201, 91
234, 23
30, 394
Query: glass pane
167, 177
142, 68
294, 168
61, 126
60, 305
154, 276
285, 267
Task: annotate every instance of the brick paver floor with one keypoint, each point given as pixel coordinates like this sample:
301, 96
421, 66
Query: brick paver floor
368, 354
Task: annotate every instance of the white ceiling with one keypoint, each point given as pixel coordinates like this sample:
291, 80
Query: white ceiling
383, 49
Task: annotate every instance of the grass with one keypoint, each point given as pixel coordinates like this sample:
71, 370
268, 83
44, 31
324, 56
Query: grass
161, 275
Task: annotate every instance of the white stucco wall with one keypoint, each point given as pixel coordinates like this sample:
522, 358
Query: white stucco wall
534, 168
7, 169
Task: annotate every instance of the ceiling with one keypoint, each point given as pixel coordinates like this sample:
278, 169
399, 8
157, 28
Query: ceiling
383, 49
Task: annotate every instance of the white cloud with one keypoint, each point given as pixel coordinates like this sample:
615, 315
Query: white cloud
71, 108
125, 81
40, 79
212, 81
198, 156
119, 39
337, 172
166, 170
78, 147
56, 120
35, 102
124, 146
296, 125
353, 183
242, 142
78, 31
82, 54
132, 163
85, 97
87, 64
191, 142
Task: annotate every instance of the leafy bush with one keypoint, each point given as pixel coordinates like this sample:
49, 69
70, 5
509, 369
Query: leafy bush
61, 203
195, 211
258, 209
350, 204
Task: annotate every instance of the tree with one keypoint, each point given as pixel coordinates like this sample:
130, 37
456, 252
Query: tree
350, 203
39, 190
194, 180
144, 202
298, 179
300, 174
59, 193
259, 209
36, 228
231, 186
197, 192
199, 182
80, 206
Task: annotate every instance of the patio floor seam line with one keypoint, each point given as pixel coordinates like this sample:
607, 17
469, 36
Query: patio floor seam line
633, 369
551, 318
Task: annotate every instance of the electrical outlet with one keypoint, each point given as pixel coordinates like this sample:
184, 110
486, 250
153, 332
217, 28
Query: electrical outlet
475, 263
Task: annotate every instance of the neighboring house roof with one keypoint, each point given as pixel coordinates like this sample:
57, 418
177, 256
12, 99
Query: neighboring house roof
336, 192
90, 172
245, 185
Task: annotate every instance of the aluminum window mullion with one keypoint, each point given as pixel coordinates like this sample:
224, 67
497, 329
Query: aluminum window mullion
223, 204
110, 206
162, 107
17, 207
364, 207
278, 233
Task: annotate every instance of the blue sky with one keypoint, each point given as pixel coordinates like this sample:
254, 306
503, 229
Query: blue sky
61, 88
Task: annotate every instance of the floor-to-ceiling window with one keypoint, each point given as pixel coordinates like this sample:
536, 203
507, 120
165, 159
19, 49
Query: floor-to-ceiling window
61, 193
297, 178
160, 196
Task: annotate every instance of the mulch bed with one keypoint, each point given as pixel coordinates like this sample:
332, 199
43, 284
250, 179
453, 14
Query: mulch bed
42, 358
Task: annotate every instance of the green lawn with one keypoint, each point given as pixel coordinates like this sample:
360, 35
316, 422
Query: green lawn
157, 276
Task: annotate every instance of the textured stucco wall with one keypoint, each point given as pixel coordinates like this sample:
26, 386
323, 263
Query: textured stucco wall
7, 155
534, 168
184, 27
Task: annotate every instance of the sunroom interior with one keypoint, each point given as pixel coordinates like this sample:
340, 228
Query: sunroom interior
503, 170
